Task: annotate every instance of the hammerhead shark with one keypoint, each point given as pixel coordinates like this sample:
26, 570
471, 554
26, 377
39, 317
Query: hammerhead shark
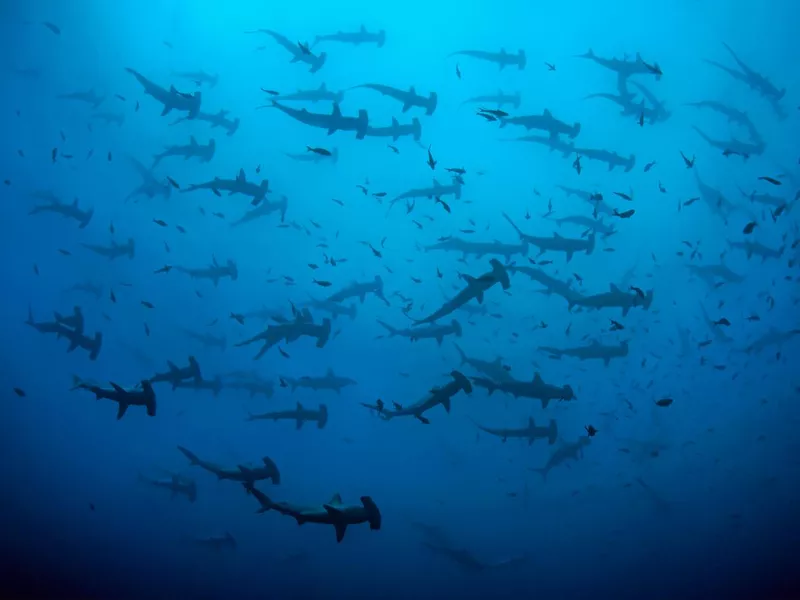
616, 298
436, 191
198, 77
612, 159
142, 395
242, 473
624, 67
494, 370
551, 284
150, 186
556, 243
70, 211
553, 143
436, 396
171, 99
360, 290
89, 97
396, 130
502, 59
70, 328
219, 119
362, 36
476, 288
115, 250
265, 208
733, 145
594, 350
191, 150
536, 389
176, 375
175, 484
567, 451
214, 271
299, 53
478, 249
328, 381
240, 185
320, 94
290, 331
409, 98
500, 99
773, 337
430, 332
545, 122
334, 512
331, 122
531, 432
299, 415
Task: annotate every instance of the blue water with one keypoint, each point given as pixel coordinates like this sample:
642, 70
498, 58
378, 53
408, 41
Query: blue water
697, 499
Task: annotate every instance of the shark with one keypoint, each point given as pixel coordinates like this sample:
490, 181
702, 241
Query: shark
334, 512
71, 329
429, 332
440, 395
90, 97
314, 157
438, 190
171, 99
360, 290
362, 36
535, 389
408, 98
556, 243
469, 248
331, 122
252, 385
191, 150
335, 309
94, 289
328, 381
593, 198
530, 432
657, 111
215, 385
264, 209
756, 248
298, 52
198, 77
240, 185
567, 451
142, 395
593, 351
616, 298
320, 94
768, 200
733, 145
551, 284
612, 159
713, 198
625, 67
214, 272
176, 485
544, 122
773, 337
302, 325
66, 210
114, 250
206, 339
588, 223
717, 332
396, 130
109, 118
150, 187
242, 473
299, 415
500, 99
175, 375
467, 561
732, 114
554, 143
502, 59
711, 274
494, 370
475, 290
219, 119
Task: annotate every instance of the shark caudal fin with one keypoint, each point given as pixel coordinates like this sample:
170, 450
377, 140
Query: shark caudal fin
381, 40
322, 420
87, 216
552, 432
373, 513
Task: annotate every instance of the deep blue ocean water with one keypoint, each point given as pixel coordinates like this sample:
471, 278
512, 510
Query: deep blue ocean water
696, 498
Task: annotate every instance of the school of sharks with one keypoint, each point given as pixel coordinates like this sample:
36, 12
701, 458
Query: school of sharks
510, 310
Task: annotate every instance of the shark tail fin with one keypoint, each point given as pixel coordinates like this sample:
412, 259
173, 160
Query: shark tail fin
461, 354
193, 458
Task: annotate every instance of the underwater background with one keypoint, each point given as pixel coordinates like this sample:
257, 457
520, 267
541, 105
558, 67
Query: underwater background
673, 468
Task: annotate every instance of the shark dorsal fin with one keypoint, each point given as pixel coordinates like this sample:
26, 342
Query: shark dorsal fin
172, 366
337, 112
192, 141
436, 184
537, 378
241, 177
329, 372
117, 388
336, 499
412, 91
172, 90
395, 123
299, 407
547, 113
531, 423
614, 288
469, 279
323, 87
556, 236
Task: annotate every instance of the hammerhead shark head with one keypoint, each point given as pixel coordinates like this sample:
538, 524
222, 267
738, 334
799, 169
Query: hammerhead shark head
150, 186
333, 512
191, 150
551, 284
176, 375
536, 389
214, 271
612, 159
89, 97
328, 381
331, 122
624, 67
240, 185
70, 211
115, 250
396, 130
360, 290
567, 451
476, 288
430, 332
299, 415
408, 98
556, 243
502, 59
362, 36
531, 432
616, 298
500, 99
264, 209
175, 484
436, 396
290, 331
242, 473
594, 350
544, 122
142, 395
299, 53
494, 370
478, 249
70, 328
172, 99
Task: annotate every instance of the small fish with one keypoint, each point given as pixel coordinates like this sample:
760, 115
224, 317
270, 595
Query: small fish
146, 330
458, 72
109, 156
323, 283
173, 183
320, 151
431, 161
550, 66
577, 165
179, 228
748, 229
691, 201
19, 392
664, 402
52, 27
624, 215
112, 297
54, 154
689, 163
393, 148
649, 166
147, 304
160, 223
283, 352
590, 430
164, 269
723, 322
64, 252
623, 196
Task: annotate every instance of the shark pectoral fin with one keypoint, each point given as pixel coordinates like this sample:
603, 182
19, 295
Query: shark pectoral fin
117, 388
299, 424
606, 361
121, 410
625, 310
406, 107
479, 297
166, 110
